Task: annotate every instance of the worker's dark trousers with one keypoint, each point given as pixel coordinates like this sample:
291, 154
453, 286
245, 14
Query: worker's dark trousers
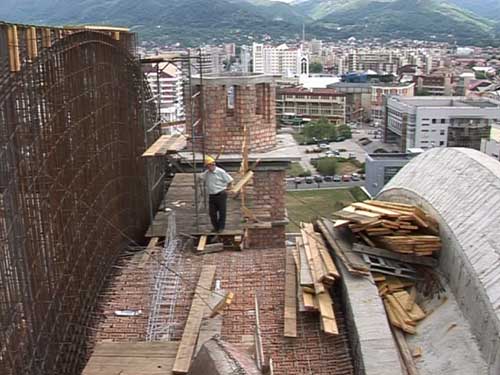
217, 210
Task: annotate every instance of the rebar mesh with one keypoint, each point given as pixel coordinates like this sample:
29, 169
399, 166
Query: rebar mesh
72, 189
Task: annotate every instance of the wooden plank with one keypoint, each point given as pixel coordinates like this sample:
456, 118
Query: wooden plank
192, 327
242, 182
305, 272
354, 217
398, 309
377, 210
396, 320
406, 354
152, 358
330, 267
329, 323
308, 300
411, 299
312, 259
365, 238
202, 243
290, 296
414, 311
413, 259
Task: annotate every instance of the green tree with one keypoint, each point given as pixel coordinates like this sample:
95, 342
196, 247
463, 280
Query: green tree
315, 67
320, 129
344, 131
327, 166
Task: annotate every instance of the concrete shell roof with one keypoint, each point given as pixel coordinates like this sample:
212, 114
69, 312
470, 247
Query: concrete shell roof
463, 186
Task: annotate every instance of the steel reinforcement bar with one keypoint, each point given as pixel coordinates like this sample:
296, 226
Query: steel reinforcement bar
73, 193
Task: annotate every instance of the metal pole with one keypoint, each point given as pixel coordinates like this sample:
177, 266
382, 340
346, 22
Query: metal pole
193, 141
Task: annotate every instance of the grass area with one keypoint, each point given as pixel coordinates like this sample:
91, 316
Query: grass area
296, 170
310, 204
342, 166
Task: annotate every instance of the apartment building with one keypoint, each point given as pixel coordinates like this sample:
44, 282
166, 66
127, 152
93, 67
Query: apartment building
281, 60
166, 80
438, 121
365, 101
312, 103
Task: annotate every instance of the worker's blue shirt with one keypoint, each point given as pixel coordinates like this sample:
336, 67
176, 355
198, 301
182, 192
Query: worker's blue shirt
217, 180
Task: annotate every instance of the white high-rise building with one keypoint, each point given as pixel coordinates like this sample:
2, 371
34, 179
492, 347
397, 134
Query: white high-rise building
282, 60
169, 89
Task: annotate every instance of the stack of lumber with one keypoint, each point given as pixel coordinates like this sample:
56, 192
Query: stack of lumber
316, 273
399, 297
392, 226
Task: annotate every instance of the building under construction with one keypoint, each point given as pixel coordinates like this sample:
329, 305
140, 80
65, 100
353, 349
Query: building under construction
108, 263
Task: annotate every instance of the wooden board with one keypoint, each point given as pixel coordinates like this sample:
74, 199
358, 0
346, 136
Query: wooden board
192, 327
377, 210
290, 296
354, 217
138, 358
165, 144
305, 271
313, 261
328, 321
330, 267
242, 182
202, 243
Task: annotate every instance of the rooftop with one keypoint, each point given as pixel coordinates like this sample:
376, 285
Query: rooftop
446, 101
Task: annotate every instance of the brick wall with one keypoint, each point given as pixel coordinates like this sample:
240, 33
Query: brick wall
269, 195
254, 107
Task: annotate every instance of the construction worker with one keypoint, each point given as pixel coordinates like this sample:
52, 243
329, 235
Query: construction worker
217, 182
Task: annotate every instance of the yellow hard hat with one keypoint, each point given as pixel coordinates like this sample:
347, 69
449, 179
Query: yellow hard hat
209, 160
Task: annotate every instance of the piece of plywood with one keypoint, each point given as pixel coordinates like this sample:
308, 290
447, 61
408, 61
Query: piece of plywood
290, 296
192, 327
138, 358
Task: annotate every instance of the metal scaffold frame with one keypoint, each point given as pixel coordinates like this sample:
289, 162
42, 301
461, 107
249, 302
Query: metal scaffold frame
190, 65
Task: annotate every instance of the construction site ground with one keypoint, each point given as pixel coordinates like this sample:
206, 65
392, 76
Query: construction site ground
245, 273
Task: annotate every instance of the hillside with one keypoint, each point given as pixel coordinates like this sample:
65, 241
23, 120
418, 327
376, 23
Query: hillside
423, 19
193, 22
484, 8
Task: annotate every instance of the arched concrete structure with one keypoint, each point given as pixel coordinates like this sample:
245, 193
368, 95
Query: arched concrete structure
461, 188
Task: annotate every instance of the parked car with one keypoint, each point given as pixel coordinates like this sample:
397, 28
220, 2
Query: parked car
328, 178
324, 146
297, 180
336, 178
346, 178
318, 178
309, 180
355, 177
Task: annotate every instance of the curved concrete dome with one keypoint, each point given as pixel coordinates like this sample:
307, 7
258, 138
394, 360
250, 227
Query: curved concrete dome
461, 188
